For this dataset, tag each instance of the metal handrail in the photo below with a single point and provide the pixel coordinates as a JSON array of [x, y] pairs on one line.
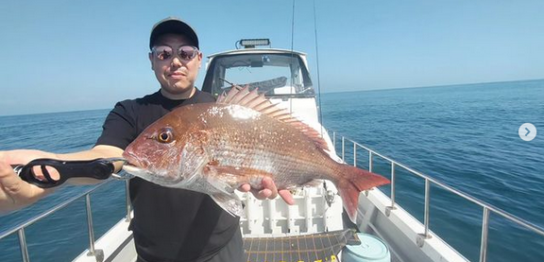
[[20, 229], [487, 208]]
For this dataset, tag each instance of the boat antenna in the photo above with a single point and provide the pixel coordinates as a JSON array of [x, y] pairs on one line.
[[292, 56], [318, 80], [293, 27]]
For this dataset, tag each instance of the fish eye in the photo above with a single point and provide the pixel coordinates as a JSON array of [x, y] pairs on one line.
[[165, 135]]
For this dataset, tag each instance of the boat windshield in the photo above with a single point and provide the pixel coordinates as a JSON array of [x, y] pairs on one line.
[[273, 74]]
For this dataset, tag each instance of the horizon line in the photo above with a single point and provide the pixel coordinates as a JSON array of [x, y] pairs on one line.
[[334, 92], [437, 86]]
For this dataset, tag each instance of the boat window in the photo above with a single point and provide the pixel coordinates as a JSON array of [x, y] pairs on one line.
[[272, 74]]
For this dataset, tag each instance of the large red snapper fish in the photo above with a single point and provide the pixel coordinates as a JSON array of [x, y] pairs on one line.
[[214, 148]]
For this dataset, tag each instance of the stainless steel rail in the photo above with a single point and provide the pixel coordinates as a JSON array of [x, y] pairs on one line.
[[20, 229], [488, 209]]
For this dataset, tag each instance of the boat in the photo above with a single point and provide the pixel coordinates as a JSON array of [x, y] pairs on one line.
[[314, 229]]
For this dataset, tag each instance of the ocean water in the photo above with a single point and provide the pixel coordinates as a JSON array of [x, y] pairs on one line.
[[465, 136]]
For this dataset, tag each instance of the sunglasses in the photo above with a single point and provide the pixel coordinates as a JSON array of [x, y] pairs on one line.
[[185, 52]]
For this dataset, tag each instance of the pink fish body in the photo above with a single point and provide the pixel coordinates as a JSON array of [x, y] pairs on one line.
[[214, 148]]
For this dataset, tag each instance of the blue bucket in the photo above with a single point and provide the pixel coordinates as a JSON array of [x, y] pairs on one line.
[[371, 249]]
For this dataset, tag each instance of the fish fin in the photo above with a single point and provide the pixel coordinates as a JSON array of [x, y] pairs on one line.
[[354, 180], [240, 95], [312, 134], [247, 99], [227, 96], [243, 97], [223, 182], [227, 177], [229, 202]]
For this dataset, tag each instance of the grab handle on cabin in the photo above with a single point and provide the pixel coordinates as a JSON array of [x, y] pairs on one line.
[[101, 168]]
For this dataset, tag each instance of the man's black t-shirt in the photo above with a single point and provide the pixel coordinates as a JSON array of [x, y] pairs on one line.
[[169, 224]]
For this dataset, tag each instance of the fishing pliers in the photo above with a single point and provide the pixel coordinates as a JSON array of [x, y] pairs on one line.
[[101, 169]]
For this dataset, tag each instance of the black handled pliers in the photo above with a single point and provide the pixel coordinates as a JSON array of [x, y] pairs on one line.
[[101, 168]]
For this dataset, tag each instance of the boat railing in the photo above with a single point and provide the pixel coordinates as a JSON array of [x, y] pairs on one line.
[[97, 253], [488, 209]]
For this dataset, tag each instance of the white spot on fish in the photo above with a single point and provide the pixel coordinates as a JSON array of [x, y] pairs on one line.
[[243, 113], [203, 119], [215, 111]]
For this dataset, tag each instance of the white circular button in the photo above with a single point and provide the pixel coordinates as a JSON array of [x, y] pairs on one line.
[[527, 132]]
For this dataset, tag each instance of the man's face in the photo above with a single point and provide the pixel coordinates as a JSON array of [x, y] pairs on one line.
[[176, 75]]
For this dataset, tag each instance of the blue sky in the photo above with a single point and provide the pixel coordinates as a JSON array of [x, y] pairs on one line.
[[79, 55]]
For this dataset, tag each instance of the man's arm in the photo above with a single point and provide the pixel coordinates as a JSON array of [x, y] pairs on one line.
[[16, 193]]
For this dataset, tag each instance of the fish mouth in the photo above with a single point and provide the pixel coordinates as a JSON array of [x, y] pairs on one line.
[[148, 175], [134, 161], [134, 170], [134, 165]]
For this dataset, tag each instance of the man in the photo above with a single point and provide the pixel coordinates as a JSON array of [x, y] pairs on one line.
[[169, 224]]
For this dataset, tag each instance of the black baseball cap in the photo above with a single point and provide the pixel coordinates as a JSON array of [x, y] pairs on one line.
[[172, 25]]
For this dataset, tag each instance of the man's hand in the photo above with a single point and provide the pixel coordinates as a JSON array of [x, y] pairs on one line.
[[14, 192], [268, 190]]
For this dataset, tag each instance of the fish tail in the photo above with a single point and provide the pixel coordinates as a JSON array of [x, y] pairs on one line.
[[354, 180]]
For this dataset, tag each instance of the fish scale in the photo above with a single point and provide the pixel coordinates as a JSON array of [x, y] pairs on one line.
[[284, 161]]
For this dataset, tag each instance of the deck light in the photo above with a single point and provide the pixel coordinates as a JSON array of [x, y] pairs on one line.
[[251, 43]]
